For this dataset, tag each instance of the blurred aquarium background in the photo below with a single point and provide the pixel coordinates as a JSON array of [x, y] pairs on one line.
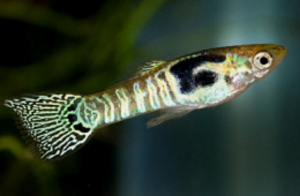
[[246, 147]]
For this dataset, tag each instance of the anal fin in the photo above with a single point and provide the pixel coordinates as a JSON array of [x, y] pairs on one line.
[[169, 114]]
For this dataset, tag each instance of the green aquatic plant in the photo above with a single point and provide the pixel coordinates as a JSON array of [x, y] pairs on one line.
[[86, 54]]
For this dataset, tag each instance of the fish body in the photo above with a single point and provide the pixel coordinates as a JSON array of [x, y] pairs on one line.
[[56, 125]]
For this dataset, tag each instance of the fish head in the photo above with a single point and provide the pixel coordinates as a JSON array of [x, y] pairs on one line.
[[265, 59], [250, 63]]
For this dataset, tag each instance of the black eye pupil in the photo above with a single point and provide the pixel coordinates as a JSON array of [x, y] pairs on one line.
[[264, 60]]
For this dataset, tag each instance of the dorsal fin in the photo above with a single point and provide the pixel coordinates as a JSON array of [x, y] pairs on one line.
[[150, 66], [143, 70]]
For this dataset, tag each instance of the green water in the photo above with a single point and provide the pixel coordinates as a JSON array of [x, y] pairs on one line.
[[249, 146]]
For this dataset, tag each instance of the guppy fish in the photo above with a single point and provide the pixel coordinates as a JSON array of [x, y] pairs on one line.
[[56, 125]]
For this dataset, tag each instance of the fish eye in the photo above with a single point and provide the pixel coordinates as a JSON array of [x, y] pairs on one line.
[[263, 60]]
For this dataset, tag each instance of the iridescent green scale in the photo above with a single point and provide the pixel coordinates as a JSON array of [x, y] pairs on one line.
[[56, 125]]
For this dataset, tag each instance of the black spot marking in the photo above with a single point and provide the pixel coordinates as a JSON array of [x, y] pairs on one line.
[[205, 78], [72, 118], [183, 70], [162, 76], [81, 128], [74, 105], [228, 79]]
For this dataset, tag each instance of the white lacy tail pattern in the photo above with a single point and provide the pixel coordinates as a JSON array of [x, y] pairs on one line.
[[51, 124]]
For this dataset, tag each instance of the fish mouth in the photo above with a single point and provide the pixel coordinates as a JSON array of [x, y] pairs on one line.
[[278, 53]]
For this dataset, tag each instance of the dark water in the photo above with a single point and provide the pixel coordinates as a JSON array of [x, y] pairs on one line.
[[249, 146]]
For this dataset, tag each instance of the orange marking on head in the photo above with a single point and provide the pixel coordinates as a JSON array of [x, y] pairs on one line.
[[229, 57]]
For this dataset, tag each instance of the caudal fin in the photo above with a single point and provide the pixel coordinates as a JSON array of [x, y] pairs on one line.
[[51, 123]]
